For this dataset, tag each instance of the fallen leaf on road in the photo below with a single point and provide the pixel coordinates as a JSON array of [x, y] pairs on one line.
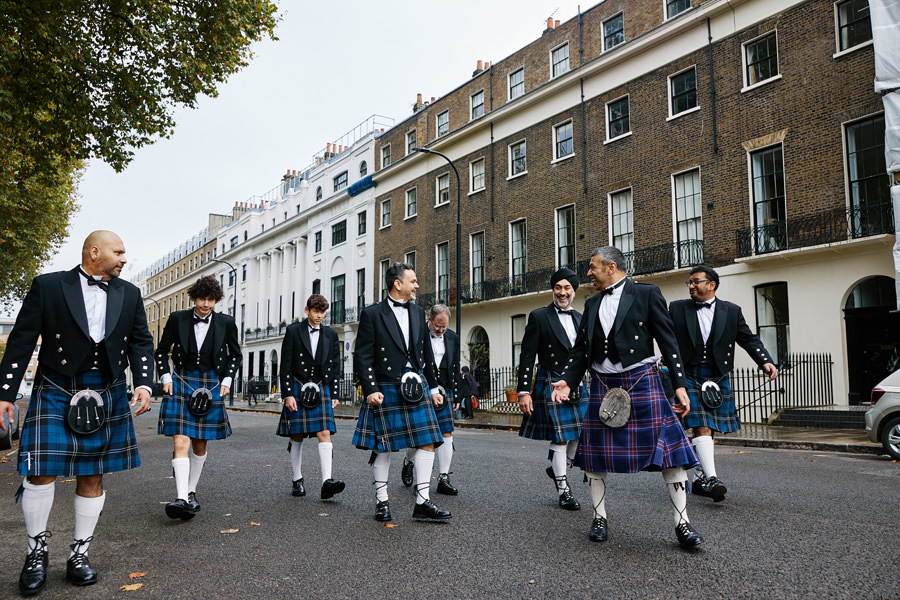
[[252, 524], [135, 575], [530, 581], [131, 587], [229, 531], [264, 466], [67, 480], [740, 452], [390, 525]]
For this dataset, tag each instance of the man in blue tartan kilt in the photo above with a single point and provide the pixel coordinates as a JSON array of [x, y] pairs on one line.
[[615, 340], [310, 354], [393, 363], [444, 348], [206, 356], [549, 335], [707, 330], [92, 325]]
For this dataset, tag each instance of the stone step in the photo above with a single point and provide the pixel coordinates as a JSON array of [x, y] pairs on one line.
[[823, 417]]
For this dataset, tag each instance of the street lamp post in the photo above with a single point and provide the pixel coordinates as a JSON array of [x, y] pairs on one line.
[[158, 318], [458, 238], [234, 313]]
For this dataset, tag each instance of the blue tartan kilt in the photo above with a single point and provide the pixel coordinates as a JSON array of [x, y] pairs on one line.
[[651, 440], [444, 413], [395, 424], [550, 420], [49, 447], [174, 417], [307, 421], [723, 419]]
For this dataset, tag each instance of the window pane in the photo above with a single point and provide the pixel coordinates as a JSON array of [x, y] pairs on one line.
[[622, 226], [619, 118], [762, 59], [560, 60], [516, 84], [564, 145], [684, 91], [854, 23], [613, 31]]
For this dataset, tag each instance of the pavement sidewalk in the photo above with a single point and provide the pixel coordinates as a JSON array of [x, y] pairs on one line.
[[753, 435]]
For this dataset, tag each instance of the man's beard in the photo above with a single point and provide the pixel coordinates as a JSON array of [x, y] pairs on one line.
[[563, 306]]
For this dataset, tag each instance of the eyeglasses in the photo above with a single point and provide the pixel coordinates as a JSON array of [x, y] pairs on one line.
[[696, 282]]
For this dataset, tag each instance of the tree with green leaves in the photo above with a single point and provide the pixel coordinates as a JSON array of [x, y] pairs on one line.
[[83, 79]]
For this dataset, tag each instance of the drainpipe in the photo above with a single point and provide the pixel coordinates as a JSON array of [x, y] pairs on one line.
[[583, 118], [712, 85]]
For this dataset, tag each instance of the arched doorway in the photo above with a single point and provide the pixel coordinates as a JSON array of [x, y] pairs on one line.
[[273, 369], [480, 358], [873, 335]]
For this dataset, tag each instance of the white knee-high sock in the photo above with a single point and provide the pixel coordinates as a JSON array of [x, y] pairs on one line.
[[197, 463], [597, 483], [675, 478], [182, 468], [326, 450], [297, 459], [424, 466], [704, 447], [571, 448], [380, 470], [558, 462], [37, 500], [87, 513], [444, 455]]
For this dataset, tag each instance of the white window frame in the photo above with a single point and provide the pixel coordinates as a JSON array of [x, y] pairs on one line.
[[509, 84], [509, 152], [669, 94], [472, 188], [472, 263], [406, 258], [381, 214], [472, 105], [410, 133], [627, 98], [675, 236], [556, 128], [437, 270], [383, 267], [667, 16], [603, 31], [510, 254], [437, 123], [406, 213], [385, 151], [837, 34], [612, 233], [748, 86], [557, 213], [568, 60], [437, 189]]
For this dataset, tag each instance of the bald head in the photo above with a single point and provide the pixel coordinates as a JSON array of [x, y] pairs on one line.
[[103, 253]]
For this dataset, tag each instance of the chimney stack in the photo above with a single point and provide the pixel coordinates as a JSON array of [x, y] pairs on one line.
[[419, 105], [555, 24]]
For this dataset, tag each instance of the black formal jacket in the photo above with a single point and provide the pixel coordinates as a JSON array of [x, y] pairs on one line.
[[642, 318], [448, 371], [728, 328], [380, 353], [545, 338], [226, 350], [297, 360], [54, 310]]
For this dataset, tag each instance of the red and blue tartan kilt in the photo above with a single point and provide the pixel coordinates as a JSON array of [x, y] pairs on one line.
[[444, 413], [396, 424], [175, 419], [49, 447], [307, 421], [723, 419], [651, 440], [550, 420]]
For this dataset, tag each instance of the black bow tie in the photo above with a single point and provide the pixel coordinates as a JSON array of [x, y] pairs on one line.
[[612, 288], [197, 319], [699, 305], [91, 281], [399, 304], [314, 330], [568, 313]]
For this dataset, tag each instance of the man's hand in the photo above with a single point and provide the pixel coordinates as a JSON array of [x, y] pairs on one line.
[[375, 398], [290, 403], [561, 391], [167, 388], [771, 369], [437, 399], [682, 404], [334, 402], [223, 391], [143, 396], [526, 404], [6, 408]]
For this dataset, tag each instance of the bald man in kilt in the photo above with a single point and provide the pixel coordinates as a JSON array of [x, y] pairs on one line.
[[615, 340], [549, 335], [310, 353], [394, 364], [206, 356], [92, 326]]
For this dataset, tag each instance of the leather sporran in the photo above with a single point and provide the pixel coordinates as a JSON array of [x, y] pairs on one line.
[[85, 413], [310, 395], [711, 395], [615, 408], [200, 402], [412, 388]]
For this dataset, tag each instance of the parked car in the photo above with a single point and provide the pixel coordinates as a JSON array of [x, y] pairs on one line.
[[883, 419]]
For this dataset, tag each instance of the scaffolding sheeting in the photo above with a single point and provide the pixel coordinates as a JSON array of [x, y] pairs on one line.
[[885, 19]]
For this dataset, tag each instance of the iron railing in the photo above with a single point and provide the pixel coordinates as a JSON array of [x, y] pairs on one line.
[[829, 226]]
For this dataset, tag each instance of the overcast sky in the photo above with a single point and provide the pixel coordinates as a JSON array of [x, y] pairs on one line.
[[335, 64]]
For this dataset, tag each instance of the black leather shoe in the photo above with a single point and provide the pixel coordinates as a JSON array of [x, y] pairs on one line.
[[33, 577], [687, 537], [406, 473], [429, 512], [444, 486], [700, 486], [78, 570], [598, 531], [568, 502], [298, 489], [382, 511], [192, 501], [331, 487], [180, 509], [717, 489]]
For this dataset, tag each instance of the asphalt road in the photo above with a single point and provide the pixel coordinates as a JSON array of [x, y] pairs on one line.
[[795, 524]]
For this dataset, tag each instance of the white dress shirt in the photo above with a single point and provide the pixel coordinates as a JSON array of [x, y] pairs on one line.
[[705, 318]]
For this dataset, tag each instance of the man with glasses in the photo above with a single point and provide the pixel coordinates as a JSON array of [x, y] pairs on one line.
[[707, 329]]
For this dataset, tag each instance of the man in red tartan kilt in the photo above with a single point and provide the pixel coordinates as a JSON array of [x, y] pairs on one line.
[[615, 340]]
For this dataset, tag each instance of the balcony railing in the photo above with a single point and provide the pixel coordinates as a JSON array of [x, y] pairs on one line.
[[829, 226]]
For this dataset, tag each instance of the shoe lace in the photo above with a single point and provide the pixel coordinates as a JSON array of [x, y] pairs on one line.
[[79, 558], [36, 555], [683, 529]]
